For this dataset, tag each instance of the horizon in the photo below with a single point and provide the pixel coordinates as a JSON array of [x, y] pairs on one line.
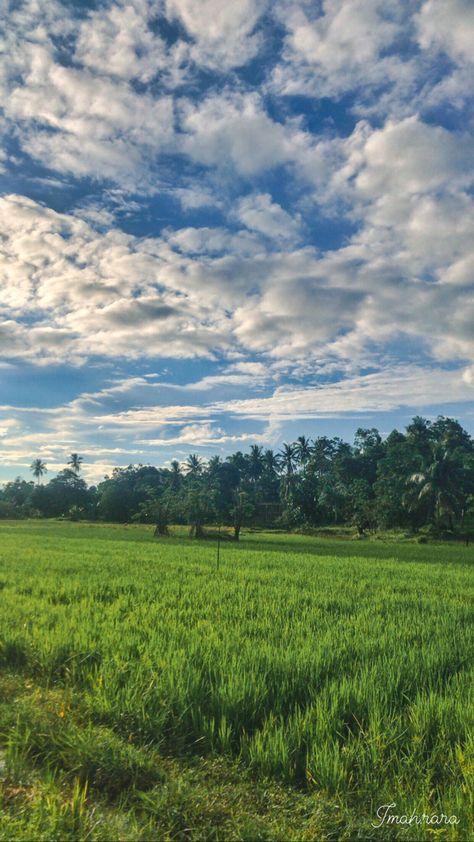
[[78, 467], [215, 236]]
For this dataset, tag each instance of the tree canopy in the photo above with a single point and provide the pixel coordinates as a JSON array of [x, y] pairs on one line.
[[423, 476]]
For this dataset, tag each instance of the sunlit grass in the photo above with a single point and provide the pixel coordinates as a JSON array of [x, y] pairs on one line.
[[343, 670]]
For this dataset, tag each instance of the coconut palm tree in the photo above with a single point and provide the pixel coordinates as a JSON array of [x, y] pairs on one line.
[[271, 461], [303, 450], [440, 484], [322, 454], [214, 465], [194, 465], [288, 457], [38, 468], [75, 462], [255, 462], [176, 475]]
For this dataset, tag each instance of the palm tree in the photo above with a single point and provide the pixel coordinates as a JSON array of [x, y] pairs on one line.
[[214, 465], [194, 465], [255, 462], [288, 457], [271, 461], [303, 450], [441, 483], [322, 453], [175, 474], [38, 468], [75, 462]]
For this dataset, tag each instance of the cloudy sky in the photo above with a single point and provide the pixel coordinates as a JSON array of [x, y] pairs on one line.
[[227, 223]]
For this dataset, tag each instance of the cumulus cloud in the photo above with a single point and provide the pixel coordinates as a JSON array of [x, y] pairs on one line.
[[75, 122], [119, 40], [235, 129], [85, 115], [94, 294], [329, 53], [207, 212], [409, 157], [259, 213], [71, 292], [384, 54], [223, 33], [448, 25]]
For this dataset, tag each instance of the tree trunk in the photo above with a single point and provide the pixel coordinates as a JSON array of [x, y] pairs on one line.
[[160, 530], [196, 530]]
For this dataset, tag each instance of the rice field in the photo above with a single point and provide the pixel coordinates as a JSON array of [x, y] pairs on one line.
[[291, 692]]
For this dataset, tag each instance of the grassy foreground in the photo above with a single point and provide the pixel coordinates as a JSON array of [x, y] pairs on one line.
[[288, 695]]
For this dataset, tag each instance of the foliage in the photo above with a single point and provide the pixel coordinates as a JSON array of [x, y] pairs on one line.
[[423, 477]]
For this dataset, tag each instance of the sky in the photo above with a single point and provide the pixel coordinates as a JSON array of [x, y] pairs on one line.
[[231, 223]]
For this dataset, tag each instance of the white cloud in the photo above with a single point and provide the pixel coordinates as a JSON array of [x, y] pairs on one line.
[[448, 25], [259, 213], [108, 294], [151, 97], [339, 49], [70, 292], [382, 391], [202, 435], [196, 197], [370, 49], [233, 129], [409, 157], [108, 436], [117, 40], [79, 123], [223, 33], [213, 241]]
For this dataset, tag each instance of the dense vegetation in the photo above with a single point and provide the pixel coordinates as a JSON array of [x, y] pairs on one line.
[[338, 675], [422, 477]]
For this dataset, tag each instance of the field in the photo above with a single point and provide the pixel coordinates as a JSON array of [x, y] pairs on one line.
[[146, 694]]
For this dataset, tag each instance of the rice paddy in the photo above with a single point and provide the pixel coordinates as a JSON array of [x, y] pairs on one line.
[[289, 693]]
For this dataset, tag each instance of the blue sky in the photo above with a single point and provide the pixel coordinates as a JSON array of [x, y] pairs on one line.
[[231, 223]]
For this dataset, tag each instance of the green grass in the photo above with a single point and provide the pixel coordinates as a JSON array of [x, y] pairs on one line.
[[146, 695]]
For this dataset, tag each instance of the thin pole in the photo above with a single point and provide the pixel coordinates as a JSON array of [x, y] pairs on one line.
[[218, 546]]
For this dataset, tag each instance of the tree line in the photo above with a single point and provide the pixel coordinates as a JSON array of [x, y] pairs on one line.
[[421, 477]]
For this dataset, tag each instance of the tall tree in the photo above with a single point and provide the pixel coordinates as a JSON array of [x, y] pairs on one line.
[[303, 450], [441, 483], [75, 462], [288, 457], [288, 460], [38, 469], [194, 465], [255, 462], [271, 461], [176, 475]]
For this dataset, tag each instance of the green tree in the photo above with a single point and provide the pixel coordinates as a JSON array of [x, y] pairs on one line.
[[241, 511], [303, 450], [200, 508], [75, 462], [194, 465], [287, 460], [440, 484], [255, 463], [271, 461], [38, 469], [361, 505]]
